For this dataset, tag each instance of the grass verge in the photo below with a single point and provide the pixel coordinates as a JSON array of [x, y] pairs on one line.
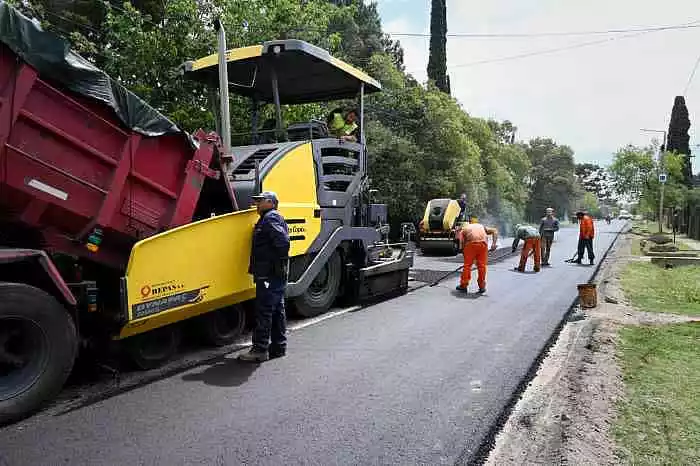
[[635, 246], [654, 289], [659, 421]]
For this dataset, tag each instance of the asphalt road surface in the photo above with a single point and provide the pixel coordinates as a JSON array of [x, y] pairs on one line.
[[419, 379]]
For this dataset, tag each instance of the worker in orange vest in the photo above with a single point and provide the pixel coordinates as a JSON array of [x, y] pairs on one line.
[[474, 244], [585, 237]]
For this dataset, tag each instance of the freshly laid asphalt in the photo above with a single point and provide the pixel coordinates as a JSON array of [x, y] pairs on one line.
[[418, 379]]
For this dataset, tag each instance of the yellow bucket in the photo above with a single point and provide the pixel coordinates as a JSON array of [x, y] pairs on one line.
[[588, 295]]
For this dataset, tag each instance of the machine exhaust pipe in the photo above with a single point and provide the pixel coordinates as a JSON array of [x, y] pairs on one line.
[[225, 112]]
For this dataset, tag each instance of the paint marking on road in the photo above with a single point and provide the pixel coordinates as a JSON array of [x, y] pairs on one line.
[[247, 343], [319, 319], [476, 385]]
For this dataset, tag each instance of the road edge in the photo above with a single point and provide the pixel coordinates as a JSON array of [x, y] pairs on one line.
[[488, 442]]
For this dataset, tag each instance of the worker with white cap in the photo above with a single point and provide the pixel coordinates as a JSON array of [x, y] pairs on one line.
[[548, 226]]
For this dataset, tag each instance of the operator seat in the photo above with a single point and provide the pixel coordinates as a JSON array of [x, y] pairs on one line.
[[314, 129]]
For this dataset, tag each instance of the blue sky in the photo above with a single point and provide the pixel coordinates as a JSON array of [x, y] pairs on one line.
[[593, 98]]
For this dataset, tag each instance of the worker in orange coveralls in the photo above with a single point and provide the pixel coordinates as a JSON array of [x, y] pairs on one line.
[[533, 245], [585, 237], [474, 246]]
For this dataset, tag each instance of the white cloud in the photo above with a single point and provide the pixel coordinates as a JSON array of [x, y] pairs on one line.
[[595, 98]]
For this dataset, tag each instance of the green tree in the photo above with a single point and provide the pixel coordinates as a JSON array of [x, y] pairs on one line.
[[678, 140], [595, 179], [551, 179], [358, 25], [504, 132], [591, 204], [631, 170], [422, 144], [634, 173], [395, 164], [437, 59]]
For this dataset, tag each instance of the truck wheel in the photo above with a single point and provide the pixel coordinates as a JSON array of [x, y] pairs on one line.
[[38, 346], [323, 290], [152, 349], [223, 327]]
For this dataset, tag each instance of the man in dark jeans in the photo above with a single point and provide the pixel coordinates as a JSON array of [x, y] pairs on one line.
[[462, 207], [548, 226], [269, 263], [585, 237]]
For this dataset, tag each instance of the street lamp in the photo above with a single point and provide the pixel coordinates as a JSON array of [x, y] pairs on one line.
[[662, 175]]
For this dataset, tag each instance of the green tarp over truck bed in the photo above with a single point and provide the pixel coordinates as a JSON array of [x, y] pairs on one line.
[[52, 57]]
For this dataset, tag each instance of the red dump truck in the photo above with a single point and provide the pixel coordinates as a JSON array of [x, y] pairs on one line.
[[86, 170], [116, 226]]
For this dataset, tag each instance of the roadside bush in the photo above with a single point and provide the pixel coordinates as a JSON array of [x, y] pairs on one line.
[[660, 239], [664, 248]]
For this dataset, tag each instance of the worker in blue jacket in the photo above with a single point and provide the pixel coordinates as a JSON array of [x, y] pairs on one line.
[[269, 265]]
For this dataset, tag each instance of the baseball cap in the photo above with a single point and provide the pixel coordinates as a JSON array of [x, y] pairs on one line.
[[266, 195]]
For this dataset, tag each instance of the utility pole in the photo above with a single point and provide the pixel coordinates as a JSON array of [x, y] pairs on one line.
[[662, 181], [661, 174]]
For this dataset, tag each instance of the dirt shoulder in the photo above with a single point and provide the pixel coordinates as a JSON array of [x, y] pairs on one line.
[[566, 413]]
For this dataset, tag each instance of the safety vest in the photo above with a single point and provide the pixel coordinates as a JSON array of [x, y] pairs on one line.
[[474, 233], [340, 128], [586, 228]]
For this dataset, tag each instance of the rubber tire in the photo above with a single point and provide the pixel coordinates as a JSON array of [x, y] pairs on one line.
[[24, 301], [133, 346], [211, 328], [309, 305]]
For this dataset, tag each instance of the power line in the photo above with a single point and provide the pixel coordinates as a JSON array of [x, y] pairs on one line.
[[468, 35], [548, 51], [692, 76]]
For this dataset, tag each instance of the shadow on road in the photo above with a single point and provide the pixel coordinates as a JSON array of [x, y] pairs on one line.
[[463, 295], [527, 272], [224, 373]]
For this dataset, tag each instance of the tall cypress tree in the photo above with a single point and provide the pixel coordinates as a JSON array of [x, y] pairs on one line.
[[678, 138], [437, 61]]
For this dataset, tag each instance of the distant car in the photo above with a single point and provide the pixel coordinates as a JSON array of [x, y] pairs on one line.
[[625, 217]]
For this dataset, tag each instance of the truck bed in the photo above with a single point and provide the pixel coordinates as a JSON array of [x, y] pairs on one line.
[[68, 165]]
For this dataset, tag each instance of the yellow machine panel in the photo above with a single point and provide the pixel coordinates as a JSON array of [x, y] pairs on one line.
[[203, 266], [451, 213], [294, 180], [189, 271]]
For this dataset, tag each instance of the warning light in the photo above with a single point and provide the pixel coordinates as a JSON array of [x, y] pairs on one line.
[[94, 240]]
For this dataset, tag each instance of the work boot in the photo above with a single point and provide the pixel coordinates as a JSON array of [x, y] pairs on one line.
[[254, 355], [461, 288], [537, 270], [546, 264], [481, 290], [591, 261], [277, 352], [577, 261], [518, 269]]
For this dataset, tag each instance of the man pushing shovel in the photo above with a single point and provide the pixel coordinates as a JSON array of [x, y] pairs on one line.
[[474, 244]]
